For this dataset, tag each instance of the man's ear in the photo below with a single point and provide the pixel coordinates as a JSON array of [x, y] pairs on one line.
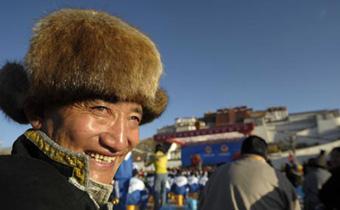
[[34, 119], [36, 124]]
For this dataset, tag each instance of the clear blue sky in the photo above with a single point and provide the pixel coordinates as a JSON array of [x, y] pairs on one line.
[[216, 53]]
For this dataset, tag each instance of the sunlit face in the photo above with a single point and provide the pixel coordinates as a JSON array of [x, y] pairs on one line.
[[104, 131]]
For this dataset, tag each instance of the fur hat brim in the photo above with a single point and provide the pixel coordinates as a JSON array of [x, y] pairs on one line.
[[156, 108], [13, 91], [14, 86]]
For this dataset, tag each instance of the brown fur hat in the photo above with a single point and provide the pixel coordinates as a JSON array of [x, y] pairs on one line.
[[81, 54]]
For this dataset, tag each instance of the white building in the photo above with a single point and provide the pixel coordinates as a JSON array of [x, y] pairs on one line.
[[315, 127], [276, 125]]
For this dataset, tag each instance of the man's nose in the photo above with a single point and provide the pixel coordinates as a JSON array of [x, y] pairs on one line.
[[116, 138]]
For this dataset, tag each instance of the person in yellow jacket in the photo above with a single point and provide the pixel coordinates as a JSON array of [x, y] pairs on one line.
[[160, 162]]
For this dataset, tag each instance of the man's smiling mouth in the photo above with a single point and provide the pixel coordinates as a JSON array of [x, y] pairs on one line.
[[101, 158]]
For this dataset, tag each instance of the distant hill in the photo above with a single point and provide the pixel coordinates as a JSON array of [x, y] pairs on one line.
[[5, 151], [145, 146]]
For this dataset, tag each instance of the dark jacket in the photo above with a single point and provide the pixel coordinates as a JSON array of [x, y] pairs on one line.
[[30, 180], [330, 191]]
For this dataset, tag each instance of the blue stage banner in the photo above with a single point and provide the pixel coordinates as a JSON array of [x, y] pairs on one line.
[[211, 153]]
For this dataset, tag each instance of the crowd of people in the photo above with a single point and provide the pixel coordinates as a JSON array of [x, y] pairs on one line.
[[318, 180], [159, 185], [249, 182], [142, 190]]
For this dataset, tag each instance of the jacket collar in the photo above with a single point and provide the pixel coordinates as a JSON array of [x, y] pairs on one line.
[[77, 161], [71, 164]]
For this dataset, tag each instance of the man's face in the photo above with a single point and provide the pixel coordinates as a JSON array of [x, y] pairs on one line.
[[104, 131]]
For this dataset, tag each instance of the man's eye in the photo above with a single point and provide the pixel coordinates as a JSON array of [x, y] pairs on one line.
[[99, 108], [136, 118]]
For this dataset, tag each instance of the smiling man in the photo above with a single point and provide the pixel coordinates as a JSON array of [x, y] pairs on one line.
[[88, 81]]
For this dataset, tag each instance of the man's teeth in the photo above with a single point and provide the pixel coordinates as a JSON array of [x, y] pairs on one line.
[[102, 158]]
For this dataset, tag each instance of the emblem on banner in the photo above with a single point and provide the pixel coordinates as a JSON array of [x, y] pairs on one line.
[[224, 148], [208, 150]]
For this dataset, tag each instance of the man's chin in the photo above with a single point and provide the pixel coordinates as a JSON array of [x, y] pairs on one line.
[[102, 172]]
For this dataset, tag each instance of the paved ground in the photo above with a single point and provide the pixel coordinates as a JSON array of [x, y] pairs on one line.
[[173, 205]]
